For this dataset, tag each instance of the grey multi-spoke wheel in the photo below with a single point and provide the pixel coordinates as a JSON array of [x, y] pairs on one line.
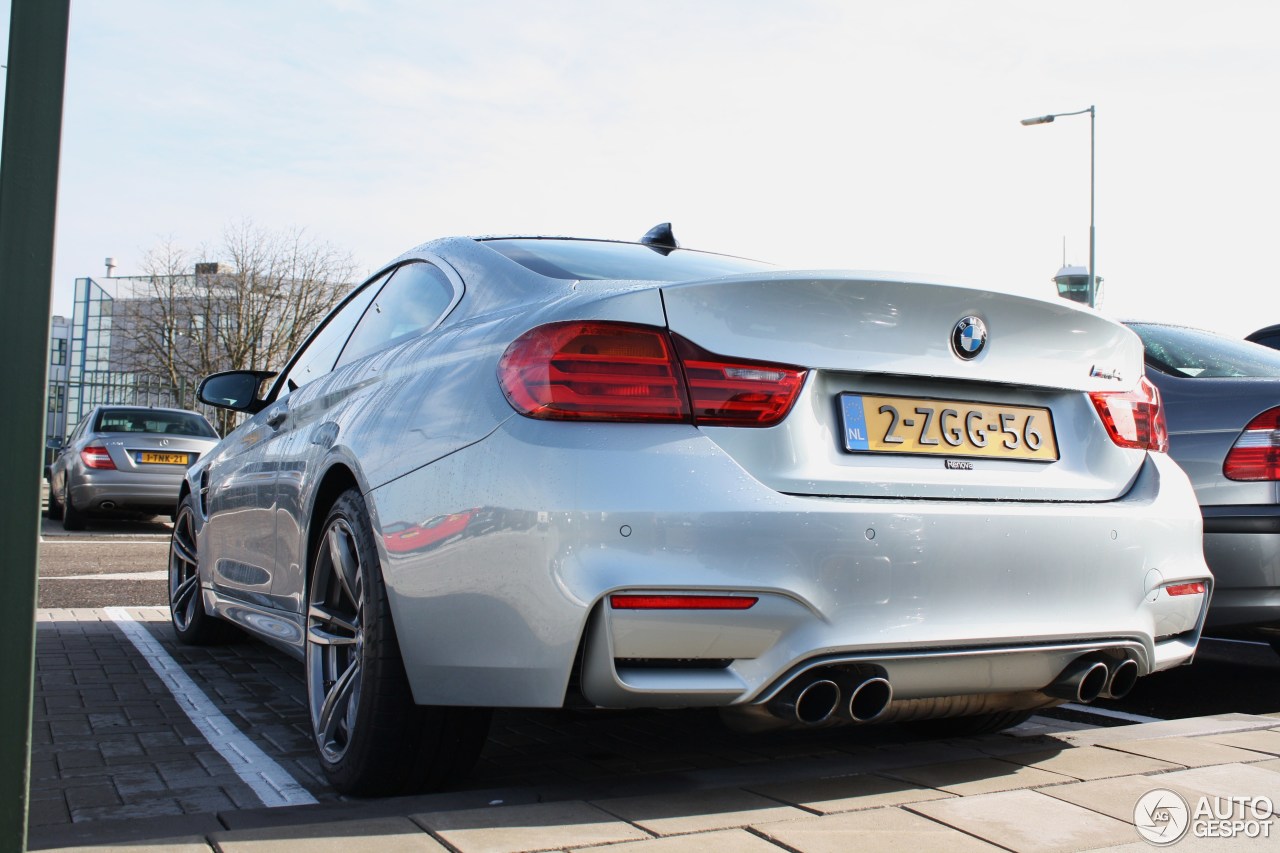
[[334, 640], [371, 737], [191, 623]]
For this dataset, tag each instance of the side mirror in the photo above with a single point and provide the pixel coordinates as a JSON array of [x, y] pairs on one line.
[[236, 390]]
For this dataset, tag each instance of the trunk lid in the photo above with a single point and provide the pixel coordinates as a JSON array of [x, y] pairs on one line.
[[154, 453], [886, 341]]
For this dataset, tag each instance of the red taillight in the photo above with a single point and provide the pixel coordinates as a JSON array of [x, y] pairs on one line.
[[594, 372], [682, 602], [96, 456], [1195, 588], [1134, 418], [1256, 453], [601, 371], [735, 392]]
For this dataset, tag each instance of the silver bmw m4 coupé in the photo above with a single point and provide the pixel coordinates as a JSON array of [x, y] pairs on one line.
[[534, 472]]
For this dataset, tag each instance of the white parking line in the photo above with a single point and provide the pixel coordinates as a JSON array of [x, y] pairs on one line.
[[271, 782], [122, 539], [1104, 712], [157, 575]]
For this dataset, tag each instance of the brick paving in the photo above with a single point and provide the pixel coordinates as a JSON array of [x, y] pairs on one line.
[[115, 760], [1038, 816], [110, 741]]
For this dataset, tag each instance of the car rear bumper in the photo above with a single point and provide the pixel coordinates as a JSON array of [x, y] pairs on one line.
[[104, 491], [1242, 547], [1241, 519], [577, 513]]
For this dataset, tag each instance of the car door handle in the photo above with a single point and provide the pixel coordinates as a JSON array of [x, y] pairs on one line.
[[274, 419]]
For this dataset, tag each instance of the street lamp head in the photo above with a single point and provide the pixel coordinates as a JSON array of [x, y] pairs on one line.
[[1093, 279]]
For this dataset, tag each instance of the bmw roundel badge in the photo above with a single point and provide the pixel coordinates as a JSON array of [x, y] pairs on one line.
[[968, 337]]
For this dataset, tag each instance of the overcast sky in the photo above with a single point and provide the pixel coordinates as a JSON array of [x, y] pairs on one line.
[[815, 133]]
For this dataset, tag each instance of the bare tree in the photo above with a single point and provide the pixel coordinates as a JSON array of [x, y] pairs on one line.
[[183, 320]]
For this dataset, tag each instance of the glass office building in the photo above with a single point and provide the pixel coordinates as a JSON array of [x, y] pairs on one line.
[[93, 377], [90, 350]]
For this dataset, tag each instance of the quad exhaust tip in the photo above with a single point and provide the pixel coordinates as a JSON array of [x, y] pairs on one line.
[[850, 696], [1082, 681], [1085, 680], [861, 694]]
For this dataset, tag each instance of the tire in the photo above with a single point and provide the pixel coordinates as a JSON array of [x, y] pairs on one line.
[[192, 625], [976, 724], [55, 503], [371, 739], [72, 518]]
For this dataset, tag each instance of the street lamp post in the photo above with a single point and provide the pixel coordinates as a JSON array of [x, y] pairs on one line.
[[1093, 290]]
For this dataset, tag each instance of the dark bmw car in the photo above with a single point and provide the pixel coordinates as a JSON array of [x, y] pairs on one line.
[[1222, 401]]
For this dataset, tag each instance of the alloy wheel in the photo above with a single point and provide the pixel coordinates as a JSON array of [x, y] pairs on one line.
[[184, 570], [334, 641]]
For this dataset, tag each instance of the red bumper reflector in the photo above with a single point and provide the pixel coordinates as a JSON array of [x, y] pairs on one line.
[[682, 602], [1196, 588]]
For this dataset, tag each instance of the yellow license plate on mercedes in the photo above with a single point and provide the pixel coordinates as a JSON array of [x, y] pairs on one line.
[[163, 458], [915, 425]]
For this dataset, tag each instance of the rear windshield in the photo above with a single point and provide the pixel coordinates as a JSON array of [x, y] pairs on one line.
[[169, 423], [596, 260], [1196, 354]]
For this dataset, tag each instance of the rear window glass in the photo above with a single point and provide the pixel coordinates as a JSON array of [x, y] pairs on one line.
[[1196, 354], [597, 260], [168, 423]]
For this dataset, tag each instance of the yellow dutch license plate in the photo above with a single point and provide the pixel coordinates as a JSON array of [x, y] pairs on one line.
[[163, 458], [915, 425]]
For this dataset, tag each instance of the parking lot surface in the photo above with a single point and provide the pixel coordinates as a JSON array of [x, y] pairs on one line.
[[140, 740]]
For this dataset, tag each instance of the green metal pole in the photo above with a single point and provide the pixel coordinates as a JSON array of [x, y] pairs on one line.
[[1093, 270], [28, 196]]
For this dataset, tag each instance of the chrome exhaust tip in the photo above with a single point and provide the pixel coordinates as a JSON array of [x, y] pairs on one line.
[[817, 702], [1082, 681], [807, 703], [1123, 678], [870, 699]]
